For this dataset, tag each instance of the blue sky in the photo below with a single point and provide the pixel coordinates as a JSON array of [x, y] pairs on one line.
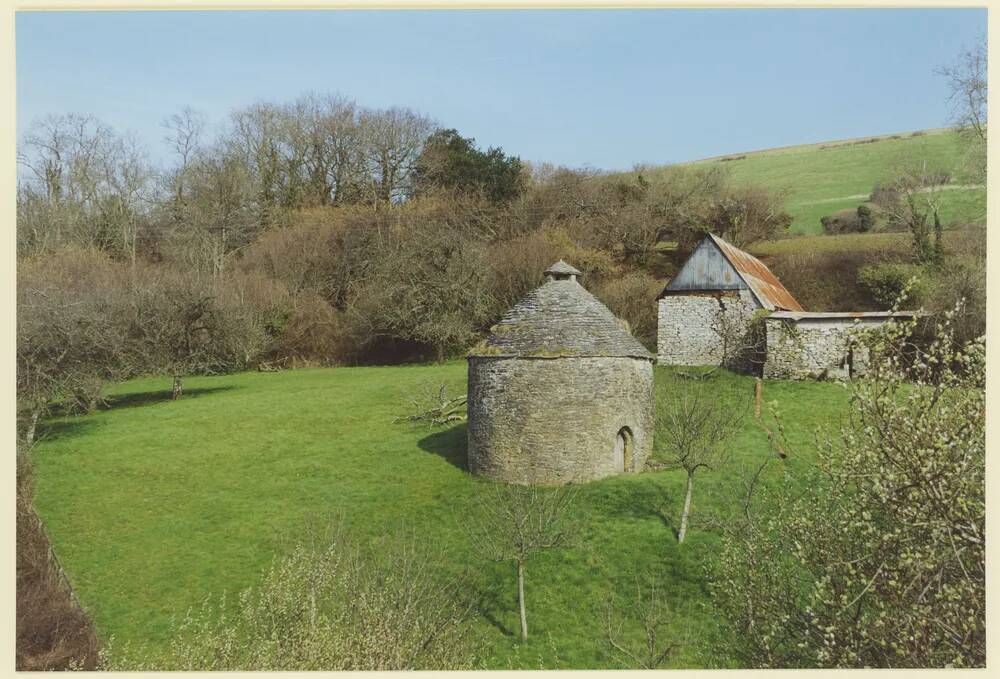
[[599, 88]]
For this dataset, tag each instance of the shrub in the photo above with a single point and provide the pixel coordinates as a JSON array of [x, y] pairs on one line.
[[886, 282], [252, 310], [53, 632], [330, 605], [858, 220], [877, 557], [961, 283], [828, 280], [746, 214], [313, 334], [866, 219], [632, 297], [71, 333], [517, 264], [427, 294], [841, 221]]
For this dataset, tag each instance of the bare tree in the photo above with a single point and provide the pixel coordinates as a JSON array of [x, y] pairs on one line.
[[255, 140], [219, 217], [692, 429], [184, 136], [968, 87], [748, 213], [655, 647], [325, 131], [84, 185], [128, 176], [742, 335], [393, 139], [515, 522], [70, 334], [912, 201]]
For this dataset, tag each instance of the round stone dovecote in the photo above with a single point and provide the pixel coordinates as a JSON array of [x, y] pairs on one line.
[[559, 391]]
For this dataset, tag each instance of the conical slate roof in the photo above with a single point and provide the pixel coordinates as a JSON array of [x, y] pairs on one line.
[[560, 318], [562, 267]]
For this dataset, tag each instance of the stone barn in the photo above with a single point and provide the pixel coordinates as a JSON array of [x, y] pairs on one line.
[[560, 391], [810, 344], [713, 297], [708, 309]]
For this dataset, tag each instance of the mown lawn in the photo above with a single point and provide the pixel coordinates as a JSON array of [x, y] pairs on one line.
[[821, 180], [154, 504]]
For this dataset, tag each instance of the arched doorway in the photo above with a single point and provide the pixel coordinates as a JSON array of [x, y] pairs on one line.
[[622, 454]]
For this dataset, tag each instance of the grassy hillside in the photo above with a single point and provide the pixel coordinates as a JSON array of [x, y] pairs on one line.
[[824, 178], [155, 504]]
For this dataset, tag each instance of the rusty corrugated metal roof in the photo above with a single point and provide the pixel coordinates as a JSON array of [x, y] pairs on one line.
[[863, 315], [765, 285]]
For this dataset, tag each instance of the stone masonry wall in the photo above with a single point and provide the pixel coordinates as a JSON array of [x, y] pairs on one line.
[[685, 333], [555, 420], [809, 348]]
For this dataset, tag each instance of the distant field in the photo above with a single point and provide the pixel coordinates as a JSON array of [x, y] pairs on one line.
[[823, 178], [155, 504], [896, 242]]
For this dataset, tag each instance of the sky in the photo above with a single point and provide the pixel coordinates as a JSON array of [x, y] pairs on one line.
[[604, 89]]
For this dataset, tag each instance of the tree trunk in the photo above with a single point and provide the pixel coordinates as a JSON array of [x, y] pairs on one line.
[[758, 388], [29, 435], [938, 247], [687, 509], [178, 388], [520, 600]]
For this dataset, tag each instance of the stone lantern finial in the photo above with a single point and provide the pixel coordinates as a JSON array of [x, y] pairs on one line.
[[561, 271]]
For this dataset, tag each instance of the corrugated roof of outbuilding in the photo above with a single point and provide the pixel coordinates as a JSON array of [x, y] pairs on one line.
[[765, 285], [821, 315], [560, 319]]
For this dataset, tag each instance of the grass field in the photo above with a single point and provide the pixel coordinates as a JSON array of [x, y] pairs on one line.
[[823, 178], [155, 504]]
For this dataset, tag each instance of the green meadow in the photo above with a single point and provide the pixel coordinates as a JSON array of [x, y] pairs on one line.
[[823, 178], [154, 505]]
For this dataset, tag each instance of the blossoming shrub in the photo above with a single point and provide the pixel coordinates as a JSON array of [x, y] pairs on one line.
[[880, 560], [331, 606]]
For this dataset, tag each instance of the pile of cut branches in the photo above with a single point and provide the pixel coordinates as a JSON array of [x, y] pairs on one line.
[[436, 409]]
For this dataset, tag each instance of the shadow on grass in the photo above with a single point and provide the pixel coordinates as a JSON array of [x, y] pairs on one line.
[[451, 444], [66, 428], [119, 401], [65, 421], [637, 498], [490, 600], [489, 617], [149, 397]]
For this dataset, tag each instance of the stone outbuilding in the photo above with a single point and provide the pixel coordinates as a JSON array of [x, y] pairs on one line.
[[560, 391], [724, 295], [719, 287], [811, 344]]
